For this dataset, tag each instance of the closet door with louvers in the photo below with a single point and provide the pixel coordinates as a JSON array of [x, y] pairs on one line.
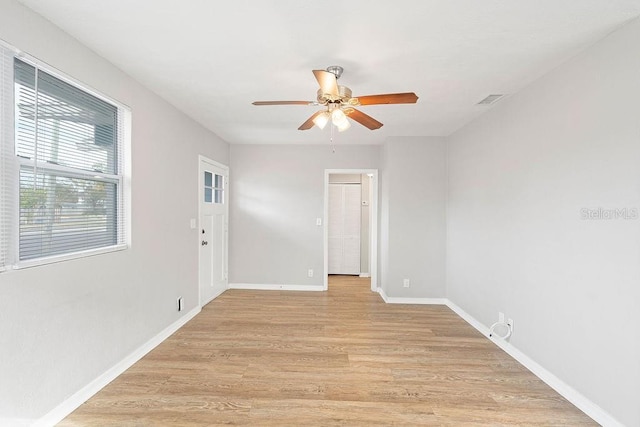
[[344, 228]]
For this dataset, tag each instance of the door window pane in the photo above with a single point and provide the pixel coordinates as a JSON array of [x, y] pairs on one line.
[[219, 181], [208, 187], [219, 189]]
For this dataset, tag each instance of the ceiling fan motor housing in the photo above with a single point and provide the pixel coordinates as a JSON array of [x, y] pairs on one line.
[[343, 97]]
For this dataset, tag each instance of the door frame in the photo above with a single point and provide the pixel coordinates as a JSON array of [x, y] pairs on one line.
[[202, 158], [373, 223]]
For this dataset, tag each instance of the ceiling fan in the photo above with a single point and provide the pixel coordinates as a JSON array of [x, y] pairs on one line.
[[340, 104]]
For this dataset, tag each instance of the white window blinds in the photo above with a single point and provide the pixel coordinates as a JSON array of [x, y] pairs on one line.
[[64, 192]]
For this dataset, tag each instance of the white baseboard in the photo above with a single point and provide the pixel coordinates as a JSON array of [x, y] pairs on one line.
[[72, 403], [594, 411], [276, 287], [403, 300]]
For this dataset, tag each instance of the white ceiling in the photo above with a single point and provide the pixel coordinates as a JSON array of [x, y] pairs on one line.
[[212, 58]]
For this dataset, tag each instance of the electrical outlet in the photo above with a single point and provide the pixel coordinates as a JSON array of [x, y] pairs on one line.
[[500, 317], [179, 303], [310, 273], [510, 324], [406, 283]]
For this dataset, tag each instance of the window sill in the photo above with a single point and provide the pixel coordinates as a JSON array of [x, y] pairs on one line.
[[67, 257]]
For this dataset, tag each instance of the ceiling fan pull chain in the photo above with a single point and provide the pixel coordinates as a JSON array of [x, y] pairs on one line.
[[333, 146]]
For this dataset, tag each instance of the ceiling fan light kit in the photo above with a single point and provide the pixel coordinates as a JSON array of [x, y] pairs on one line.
[[337, 116], [322, 119], [340, 103]]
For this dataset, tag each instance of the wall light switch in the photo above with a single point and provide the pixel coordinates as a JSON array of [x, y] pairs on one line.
[[318, 221], [192, 223]]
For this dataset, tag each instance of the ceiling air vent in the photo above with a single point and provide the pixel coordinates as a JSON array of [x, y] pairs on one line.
[[490, 99]]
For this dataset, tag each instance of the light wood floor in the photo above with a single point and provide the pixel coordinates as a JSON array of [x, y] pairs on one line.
[[341, 357]]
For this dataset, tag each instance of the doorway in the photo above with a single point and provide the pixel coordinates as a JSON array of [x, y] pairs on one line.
[[344, 225], [351, 238], [213, 214]]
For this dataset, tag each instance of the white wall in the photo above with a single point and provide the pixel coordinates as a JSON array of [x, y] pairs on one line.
[[63, 325], [413, 209], [276, 194], [518, 179]]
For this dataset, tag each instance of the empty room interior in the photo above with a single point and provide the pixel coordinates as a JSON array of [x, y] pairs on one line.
[[319, 213]]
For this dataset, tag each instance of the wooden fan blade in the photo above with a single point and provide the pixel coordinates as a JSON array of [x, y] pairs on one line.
[[309, 123], [364, 119], [389, 98], [283, 103], [327, 81]]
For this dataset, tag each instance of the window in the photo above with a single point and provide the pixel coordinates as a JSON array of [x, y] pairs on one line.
[[213, 188], [63, 184]]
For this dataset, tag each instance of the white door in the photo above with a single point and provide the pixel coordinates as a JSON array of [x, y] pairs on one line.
[[344, 228], [213, 230]]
